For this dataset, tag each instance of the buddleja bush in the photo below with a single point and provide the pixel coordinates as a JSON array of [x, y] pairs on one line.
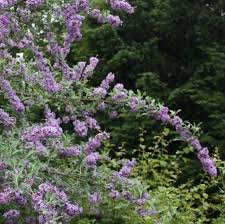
[[52, 167]]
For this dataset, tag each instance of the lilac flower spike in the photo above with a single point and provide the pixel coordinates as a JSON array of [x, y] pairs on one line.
[[121, 5], [34, 3], [11, 95], [12, 214], [6, 120]]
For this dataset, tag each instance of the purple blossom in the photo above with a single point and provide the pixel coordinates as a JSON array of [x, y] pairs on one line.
[[92, 122], [4, 25], [45, 187], [149, 212], [127, 195], [3, 166], [96, 13], [114, 21], [91, 160], [106, 82], [88, 71], [12, 214], [102, 106], [48, 81], [134, 103], [119, 93], [95, 198], [100, 92], [73, 74], [73, 23], [6, 196], [40, 133], [13, 98], [142, 199], [196, 144], [126, 169], [34, 3], [73, 209], [82, 5], [37, 201], [80, 128], [163, 115], [121, 5], [20, 199], [114, 194], [119, 87], [70, 151], [95, 143], [6, 120]]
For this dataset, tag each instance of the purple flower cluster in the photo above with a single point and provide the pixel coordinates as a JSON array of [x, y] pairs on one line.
[[80, 128], [99, 92], [91, 160], [73, 23], [119, 93], [11, 95], [96, 13], [113, 193], [203, 154], [7, 3], [47, 210], [88, 71], [95, 198], [206, 161], [121, 5], [19, 198], [102, 90], [113, 114], [4, 25], [134, 103], [6, 120], [121, 178], [106, 82], [8, 195], [125, 170], [40, 133], [34, 3], [81, 5], [92, 123], [12, 214], [95, 143], [114, 21], [142, 200], [48, 82], [73, 74], [53, 47], [73, 209], [3, 166], [71, 151], [149, 212]]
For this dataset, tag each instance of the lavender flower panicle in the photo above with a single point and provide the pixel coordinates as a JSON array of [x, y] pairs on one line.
[[6, 120], [11, 95]]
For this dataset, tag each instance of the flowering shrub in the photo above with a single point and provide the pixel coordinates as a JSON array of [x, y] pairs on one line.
[[52, 168]]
